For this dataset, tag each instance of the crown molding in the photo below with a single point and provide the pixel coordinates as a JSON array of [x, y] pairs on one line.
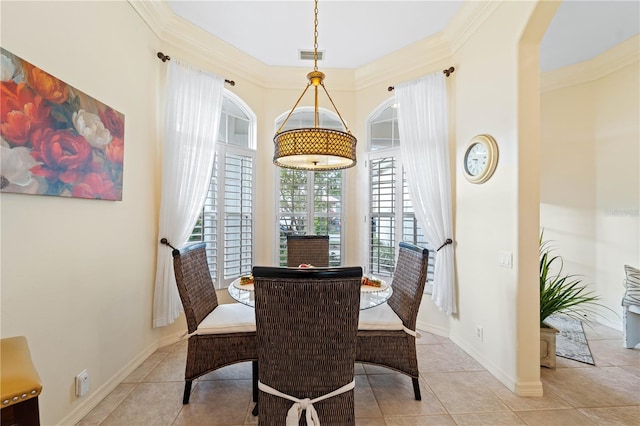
[[156, 14], [422, 57], [467, 20], [182, 39], [608, 62]]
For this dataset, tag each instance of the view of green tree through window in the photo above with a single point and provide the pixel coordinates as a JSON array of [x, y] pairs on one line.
[[310, 203]]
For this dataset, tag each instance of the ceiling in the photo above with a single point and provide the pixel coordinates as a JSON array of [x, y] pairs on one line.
[[352, 33]]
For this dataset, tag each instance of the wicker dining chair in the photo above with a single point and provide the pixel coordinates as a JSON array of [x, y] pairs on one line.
[[386, 333], [306, 325], [220, 335], [309, 249]]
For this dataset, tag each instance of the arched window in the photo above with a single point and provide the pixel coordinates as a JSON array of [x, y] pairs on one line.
[[227, 220], [310, 203], [390, 211]]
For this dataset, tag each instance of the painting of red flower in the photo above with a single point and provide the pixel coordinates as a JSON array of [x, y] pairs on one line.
[[55, 139]]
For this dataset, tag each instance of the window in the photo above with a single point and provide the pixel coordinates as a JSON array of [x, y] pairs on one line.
[[310, 203], [391, 214], [226, 221]]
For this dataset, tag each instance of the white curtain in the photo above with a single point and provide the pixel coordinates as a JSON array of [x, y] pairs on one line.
[[193, 105], [424, 143]]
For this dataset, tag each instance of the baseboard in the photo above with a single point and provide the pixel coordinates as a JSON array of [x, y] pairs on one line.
[[93, 399], [529, 388], [518, 388], [430, 328], [171, 339], [611, 324]]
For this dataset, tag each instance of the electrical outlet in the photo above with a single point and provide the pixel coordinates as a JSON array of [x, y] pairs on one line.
[[479, 332], [82, 383]]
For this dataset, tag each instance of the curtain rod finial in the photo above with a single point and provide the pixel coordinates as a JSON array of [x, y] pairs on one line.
[[163, 57]]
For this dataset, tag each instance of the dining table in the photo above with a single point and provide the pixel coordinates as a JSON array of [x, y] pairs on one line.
[[370, 296]]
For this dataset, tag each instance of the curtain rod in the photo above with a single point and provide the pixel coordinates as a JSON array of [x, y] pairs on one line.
[[165, 58], [446, 72]]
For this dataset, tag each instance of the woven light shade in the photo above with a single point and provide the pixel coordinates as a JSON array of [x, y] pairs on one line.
[[314, 149]]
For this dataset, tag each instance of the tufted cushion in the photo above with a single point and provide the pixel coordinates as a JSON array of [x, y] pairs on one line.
[[632, 284], [380, 317], [228, 318]]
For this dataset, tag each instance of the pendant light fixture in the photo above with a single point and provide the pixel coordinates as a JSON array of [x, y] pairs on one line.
[[314, 148]]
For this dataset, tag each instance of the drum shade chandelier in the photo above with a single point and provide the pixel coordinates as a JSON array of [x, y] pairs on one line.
[[314, 148]]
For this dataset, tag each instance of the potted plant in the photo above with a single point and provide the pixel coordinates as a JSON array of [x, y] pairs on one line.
[[560, 293]]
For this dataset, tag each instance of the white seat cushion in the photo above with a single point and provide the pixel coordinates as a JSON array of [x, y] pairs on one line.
[[380, 317], [228, 318], [634, 308]]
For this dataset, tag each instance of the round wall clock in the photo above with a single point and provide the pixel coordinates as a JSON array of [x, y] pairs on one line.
[[480, 159]]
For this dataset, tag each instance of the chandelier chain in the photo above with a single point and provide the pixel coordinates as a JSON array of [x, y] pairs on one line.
[[315, 36]]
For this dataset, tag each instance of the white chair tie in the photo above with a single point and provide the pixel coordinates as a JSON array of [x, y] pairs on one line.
[[295, 412], [410, 332]]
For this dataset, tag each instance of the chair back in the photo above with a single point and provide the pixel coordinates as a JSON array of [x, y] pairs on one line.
[[311, 249], [408, 282], [306, 327], [197, 292]]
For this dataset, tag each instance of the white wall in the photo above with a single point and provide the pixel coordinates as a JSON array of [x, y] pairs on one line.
[[590, 182], [77, 275], [496, 93]]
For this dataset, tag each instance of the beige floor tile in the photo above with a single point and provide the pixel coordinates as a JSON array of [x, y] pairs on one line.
[[377, 369], [365, 401], [426, 338], [145, 368], [580, 390], [437, 420], [595, 331], [170, 369], [394, 393], [549, 400], [466, 361], [444, 357], [605, 351], [217, 402], [574, 393], [463, 392], [148, 404], [617, 382], [631, 369], [179, 346], [568, 417], [570, 363], [485, 419], [370, 422], [107, 405], [238, 371], [613, 416], [249, 418]]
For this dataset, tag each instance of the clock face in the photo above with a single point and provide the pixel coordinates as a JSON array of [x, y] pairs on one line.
[[480, 159], [476, 159]]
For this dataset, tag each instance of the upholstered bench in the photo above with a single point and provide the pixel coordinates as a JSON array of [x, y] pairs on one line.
[[631, 307], [19, 385]]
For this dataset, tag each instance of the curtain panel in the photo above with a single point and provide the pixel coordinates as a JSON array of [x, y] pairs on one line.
[[423, 129], [193, 106]]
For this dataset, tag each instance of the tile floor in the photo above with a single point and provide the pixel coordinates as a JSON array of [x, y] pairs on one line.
[[456, 390]]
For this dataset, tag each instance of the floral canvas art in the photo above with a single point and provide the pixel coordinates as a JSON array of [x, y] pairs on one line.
[[55, 139]]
